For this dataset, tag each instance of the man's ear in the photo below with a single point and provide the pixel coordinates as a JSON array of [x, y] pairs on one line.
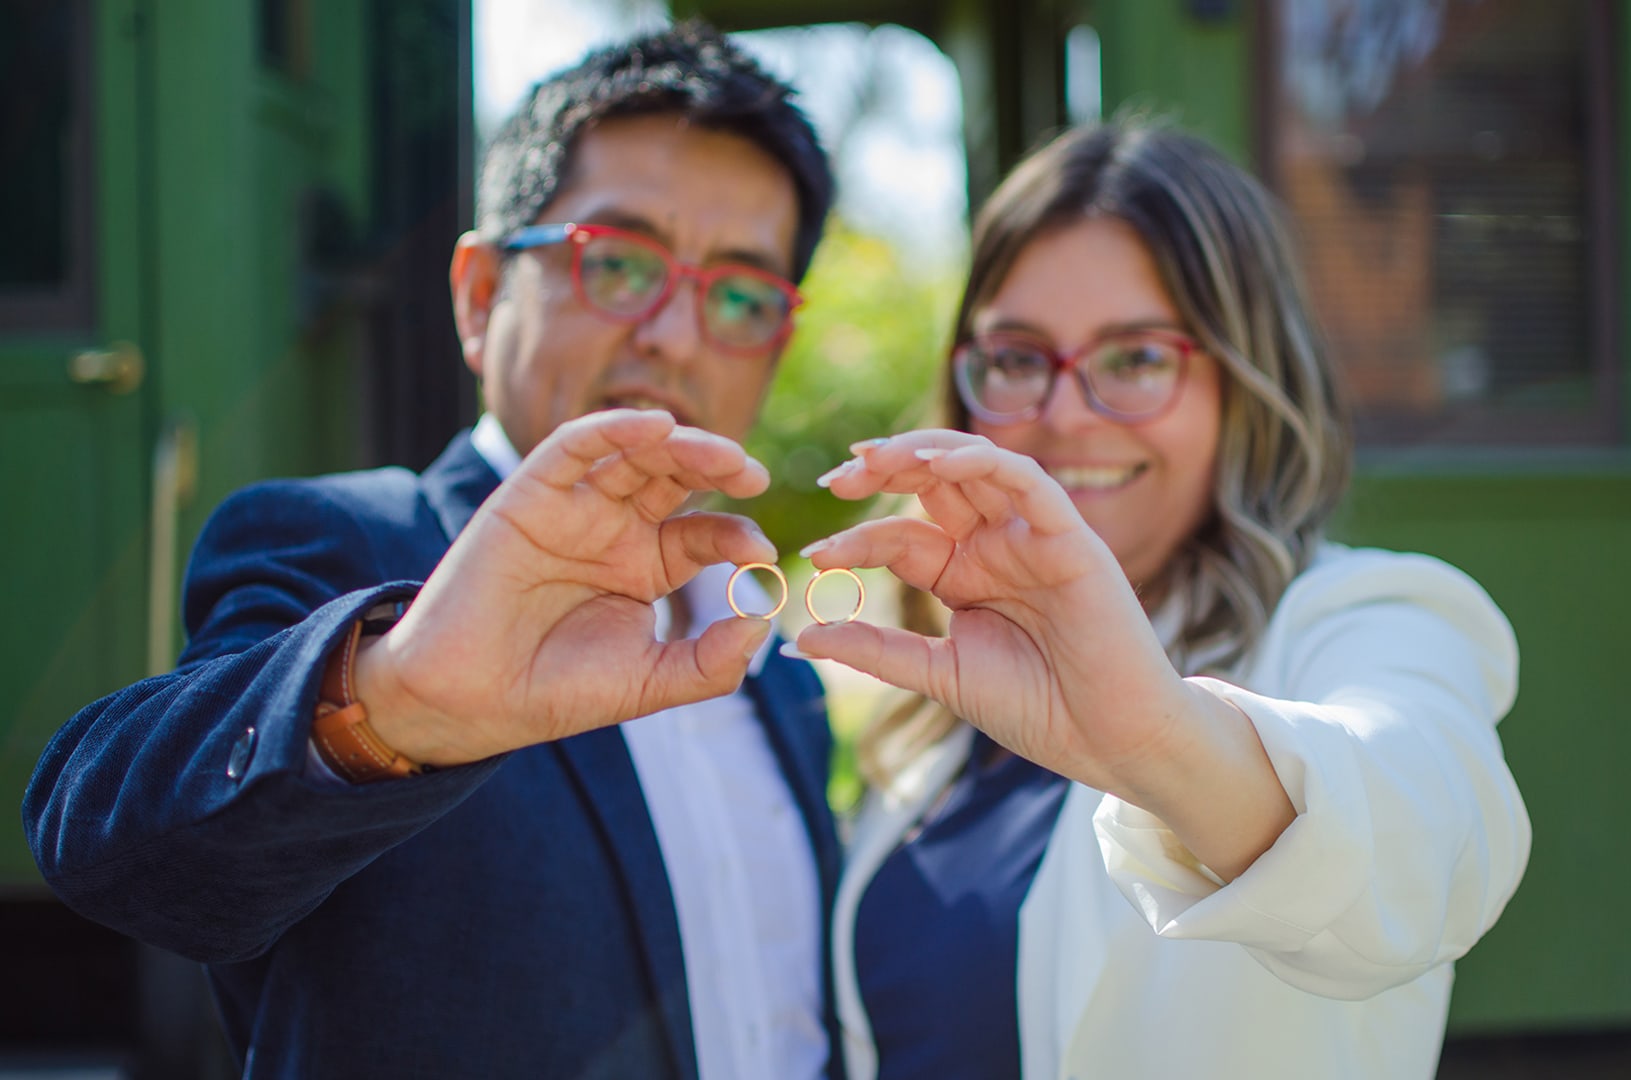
[[473, 277]]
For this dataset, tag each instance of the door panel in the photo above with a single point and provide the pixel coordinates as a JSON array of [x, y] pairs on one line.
[[74, 482]]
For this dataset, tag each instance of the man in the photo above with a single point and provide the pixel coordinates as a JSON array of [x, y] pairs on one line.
[[397, 821]]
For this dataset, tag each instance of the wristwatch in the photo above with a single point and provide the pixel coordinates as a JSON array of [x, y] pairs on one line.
[[345, 739]]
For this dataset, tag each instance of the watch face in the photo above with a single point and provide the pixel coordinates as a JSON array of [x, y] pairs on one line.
[[382, 616]]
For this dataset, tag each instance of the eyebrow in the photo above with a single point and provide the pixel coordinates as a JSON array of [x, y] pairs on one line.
[[639, 223], [1133, 326]]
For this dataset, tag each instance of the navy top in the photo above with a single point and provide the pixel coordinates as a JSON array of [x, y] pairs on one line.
[[937, 930]]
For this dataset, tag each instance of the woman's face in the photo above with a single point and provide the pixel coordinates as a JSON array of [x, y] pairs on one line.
[[1143, 486]]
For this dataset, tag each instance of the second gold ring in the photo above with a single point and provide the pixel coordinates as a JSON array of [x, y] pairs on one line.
[[860, 595]]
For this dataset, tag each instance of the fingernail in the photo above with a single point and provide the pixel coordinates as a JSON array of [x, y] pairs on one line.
[[790, 649], [826, 478], [867, 444], [814, 546], [930, 453], [750, 650]]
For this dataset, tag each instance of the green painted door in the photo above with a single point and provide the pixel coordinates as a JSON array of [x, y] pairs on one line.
[[75, 380]]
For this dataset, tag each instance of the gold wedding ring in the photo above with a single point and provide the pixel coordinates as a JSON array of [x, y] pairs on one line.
[[730, 591], [860, 595]]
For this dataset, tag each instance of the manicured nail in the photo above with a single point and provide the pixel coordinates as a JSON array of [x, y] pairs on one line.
[[813, 546], [826, 478], [867, 444], [791, 649], [931, 453]]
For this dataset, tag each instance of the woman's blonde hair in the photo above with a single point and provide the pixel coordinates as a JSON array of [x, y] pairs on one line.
[[1226, 259]]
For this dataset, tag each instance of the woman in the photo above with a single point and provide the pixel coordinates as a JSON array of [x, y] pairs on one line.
[[1189, 791]]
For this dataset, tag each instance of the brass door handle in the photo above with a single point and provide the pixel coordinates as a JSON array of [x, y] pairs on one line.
[[119, 369]]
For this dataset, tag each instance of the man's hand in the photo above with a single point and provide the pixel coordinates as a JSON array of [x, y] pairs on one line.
[[538, 623]]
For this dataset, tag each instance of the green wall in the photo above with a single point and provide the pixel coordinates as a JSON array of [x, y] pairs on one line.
[[1549, 545]]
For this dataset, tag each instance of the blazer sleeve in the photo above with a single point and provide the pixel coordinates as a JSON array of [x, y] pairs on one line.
[[178, 810], [1376, 694]]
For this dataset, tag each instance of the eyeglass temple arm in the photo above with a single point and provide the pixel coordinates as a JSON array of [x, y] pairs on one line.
[[537, 236]]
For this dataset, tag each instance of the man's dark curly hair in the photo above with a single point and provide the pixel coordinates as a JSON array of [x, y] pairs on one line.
[[689, 69]]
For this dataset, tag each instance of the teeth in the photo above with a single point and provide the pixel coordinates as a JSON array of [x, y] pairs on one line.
[[637, 403], [1094, 478]]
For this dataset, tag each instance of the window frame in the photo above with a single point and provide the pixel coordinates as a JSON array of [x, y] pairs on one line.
[[1482, 425]]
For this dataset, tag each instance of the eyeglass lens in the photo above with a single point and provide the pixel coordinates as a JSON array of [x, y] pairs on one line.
[[1125, 378], [626, 278]]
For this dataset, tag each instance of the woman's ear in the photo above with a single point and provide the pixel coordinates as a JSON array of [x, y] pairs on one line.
[[473, 278]]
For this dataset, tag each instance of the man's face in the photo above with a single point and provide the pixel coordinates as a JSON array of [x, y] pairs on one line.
[[543, 358]]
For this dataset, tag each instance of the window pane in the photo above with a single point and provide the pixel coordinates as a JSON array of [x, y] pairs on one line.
[[1439, 161], [36, 143]]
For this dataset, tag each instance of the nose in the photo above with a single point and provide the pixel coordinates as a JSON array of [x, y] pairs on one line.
[[672, 332], [1067, 409]]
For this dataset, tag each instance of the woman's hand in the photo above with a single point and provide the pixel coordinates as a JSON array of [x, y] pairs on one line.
[[1049, 650]]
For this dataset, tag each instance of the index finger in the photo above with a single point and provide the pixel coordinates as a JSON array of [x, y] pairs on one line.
[[892, 464], [567, 454], [701, 461], [992, 479]]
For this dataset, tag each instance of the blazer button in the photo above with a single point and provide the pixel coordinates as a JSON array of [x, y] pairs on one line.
[[242, 752]]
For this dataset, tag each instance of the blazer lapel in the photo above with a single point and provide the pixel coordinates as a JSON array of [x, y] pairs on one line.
[[600, 762], [456, 483]]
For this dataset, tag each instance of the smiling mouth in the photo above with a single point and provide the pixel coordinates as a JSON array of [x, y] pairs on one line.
[[1095, 478]]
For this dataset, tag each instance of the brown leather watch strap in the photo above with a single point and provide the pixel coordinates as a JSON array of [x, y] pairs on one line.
[[345, 739]]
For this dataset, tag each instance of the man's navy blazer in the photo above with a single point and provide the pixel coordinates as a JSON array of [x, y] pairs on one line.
[[509, 918]]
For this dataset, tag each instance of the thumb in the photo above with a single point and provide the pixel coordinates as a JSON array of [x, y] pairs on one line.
[[899, 657], [709, 666]]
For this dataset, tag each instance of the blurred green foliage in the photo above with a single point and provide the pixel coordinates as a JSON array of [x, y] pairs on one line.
[[863, 362]]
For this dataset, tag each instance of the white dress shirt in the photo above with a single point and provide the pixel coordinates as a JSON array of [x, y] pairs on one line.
[[738, 856]]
